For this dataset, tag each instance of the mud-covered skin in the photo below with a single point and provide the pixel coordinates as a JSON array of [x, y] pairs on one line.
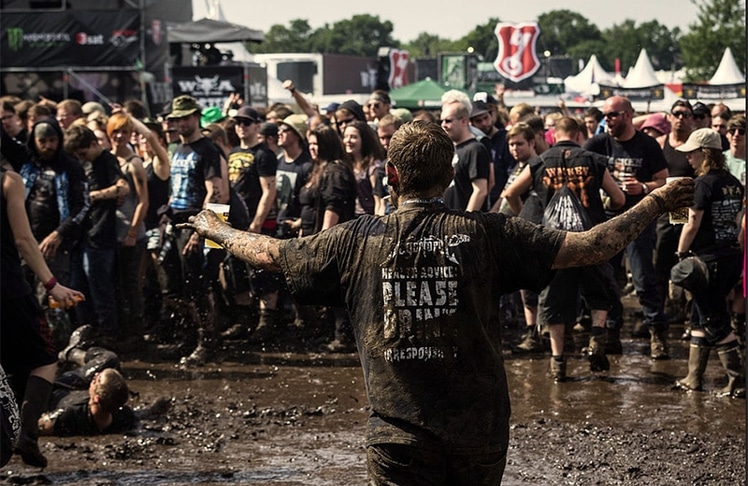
[[605, 240], [587, 248]]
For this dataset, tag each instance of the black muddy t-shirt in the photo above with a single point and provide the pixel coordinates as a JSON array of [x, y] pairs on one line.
[[72, 416], [421, 286]]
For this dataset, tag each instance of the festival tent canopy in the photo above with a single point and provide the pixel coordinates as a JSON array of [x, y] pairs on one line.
[[588, 79], [642, 75], [426, 93], [211, 31], [728, 71]]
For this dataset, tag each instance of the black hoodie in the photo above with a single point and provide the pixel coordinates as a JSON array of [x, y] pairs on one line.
[[56, 191]]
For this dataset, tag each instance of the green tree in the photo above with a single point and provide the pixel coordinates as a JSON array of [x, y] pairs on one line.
[[627, 39], [361, 35], [560, 30], [720, 24], [483, 40], [428, 45], [295, 38]]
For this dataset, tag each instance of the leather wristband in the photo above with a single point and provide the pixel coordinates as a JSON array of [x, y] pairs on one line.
[[50, 284]]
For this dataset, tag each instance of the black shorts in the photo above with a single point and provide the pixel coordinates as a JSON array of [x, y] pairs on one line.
[[26, 340], [558, 301]]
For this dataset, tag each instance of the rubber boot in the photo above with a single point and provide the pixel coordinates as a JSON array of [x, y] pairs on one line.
[[34, 404], [698, 357], [658, 344], [737, 323], [613, 341], [531, 342], [595, 351], [207, 344], [266, 332], [558, 369], [729, 356]]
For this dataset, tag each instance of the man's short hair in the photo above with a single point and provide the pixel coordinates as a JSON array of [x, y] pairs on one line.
[[112, 390], [455, 96], [569, 126], [535, 121], [74, 107], [79, 137], [422, 153], [381, 96], [594, 112], [390, 120]]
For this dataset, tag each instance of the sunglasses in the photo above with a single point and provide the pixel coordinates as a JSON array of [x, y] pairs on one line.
[[681, 114], [737, 130], [373, 105], [613, 114], [245, 122], [700, 116], [346, 121], [448, 120]]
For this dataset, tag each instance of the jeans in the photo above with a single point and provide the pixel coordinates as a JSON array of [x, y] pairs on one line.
[[640, 253], [94, 275], [130, 295]]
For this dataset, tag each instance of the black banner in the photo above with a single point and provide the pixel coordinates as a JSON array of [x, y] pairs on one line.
[[633, 94], [210, 85], [713, 92], [76, 38]]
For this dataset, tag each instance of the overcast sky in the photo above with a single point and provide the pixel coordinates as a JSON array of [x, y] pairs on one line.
[[447, 19]]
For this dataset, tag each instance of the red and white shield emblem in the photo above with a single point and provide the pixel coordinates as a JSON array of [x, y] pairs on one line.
[[398, 68], [517, 59]]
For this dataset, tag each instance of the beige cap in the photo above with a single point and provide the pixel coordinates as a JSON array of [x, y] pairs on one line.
[[701, 138]]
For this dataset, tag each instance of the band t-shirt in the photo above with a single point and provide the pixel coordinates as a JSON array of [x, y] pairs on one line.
[[246, 166], [421, 286], [191, 165], [720, 195], [640, 157]]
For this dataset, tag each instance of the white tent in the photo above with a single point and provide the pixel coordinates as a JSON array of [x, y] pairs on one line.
[[642, 75], [728, 71], [588, 79]]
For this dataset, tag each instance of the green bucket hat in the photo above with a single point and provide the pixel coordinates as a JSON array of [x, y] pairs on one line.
[[211, 115], [184, 105]]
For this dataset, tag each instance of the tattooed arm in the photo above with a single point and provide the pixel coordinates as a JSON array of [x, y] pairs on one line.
[[258, 250], [606, 239]]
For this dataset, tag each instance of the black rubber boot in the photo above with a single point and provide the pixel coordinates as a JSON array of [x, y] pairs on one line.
[[613, 343], [34, 404], [557, 369], [729, 355], [698, 357]]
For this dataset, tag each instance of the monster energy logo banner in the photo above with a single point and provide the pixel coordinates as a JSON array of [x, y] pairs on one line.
[[74, 38], [15, 38]]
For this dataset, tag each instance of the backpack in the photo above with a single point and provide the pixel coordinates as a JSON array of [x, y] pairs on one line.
[[565, 211]]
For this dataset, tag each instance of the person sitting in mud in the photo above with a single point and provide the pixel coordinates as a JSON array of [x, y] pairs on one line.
[[421, 286], [91, 399]]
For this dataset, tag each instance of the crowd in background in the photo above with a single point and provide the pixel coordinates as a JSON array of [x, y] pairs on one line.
[[104, 202]]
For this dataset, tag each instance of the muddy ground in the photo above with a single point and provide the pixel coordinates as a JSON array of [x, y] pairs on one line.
[[291, 418]]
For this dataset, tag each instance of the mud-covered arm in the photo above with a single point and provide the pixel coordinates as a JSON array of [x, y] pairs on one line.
[[258, 250], [600, 243]]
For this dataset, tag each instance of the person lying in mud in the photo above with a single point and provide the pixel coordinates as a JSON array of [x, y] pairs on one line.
[[422, 286], [91, 399]]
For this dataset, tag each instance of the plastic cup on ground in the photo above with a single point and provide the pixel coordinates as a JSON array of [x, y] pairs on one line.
[[222, 210]]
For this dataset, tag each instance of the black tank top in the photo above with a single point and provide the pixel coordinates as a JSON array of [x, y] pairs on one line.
[[677, 164], [158, 195], [12, 280]]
